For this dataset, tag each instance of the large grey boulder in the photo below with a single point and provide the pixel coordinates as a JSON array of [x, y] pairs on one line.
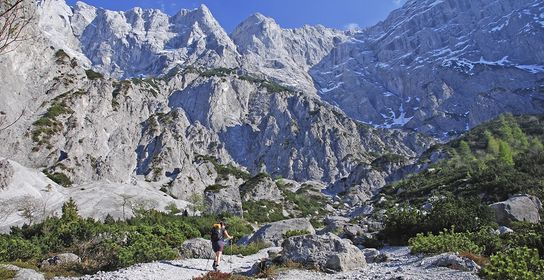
[[273, 232], [6, 173], [23, 273], [518, 208], [198, 248], [326, 252]]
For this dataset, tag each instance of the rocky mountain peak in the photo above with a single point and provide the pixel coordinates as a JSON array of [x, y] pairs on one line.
[[257, 33]]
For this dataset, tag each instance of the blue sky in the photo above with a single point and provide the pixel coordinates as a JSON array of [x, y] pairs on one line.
[[288, 13]]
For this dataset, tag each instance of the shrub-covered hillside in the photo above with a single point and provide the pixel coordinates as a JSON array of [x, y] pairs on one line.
[[494, 160], [445, 207]]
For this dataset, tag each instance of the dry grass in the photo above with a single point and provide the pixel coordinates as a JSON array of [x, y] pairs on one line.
[[478, 259]]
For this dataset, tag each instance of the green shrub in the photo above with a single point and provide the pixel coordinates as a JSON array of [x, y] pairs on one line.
[[462, 214], [527, 235], [447, 241], [518, 263], [244, 250], [92, 75], [7, 274], [144, 247], [16, 248], [60, 178], [262, 211], [402, 224], [295, 232]]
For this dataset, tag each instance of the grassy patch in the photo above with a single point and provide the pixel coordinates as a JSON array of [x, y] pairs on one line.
[[244, 250], [7, 274], [223, 171], [291, 233], [215, 188], [92, 75], [262, 211], [59, 178]]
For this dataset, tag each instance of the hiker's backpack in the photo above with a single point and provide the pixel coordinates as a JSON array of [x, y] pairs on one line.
[[216, 233]]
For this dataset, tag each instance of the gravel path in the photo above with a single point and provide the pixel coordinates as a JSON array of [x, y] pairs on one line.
[[401, 265]]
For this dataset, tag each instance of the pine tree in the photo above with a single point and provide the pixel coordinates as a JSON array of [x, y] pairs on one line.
[[69, 210], [505, 153], [520, 137], [464, 151], [506, 130], [492, 143]]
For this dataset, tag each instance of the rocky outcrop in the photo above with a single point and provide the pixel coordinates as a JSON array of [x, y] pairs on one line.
[[272, 233], [260, 188], [223, 199], [6, 173], [523, 208], [326, 252], [198, 248]]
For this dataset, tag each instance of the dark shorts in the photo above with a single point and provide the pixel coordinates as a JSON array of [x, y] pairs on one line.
[[218, 246]]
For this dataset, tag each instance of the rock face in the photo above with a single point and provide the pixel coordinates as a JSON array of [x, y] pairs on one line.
[[523, 208], [224, 200], [433, 66], [273, 232], [260, 188], [148, 42], [6, 173], [326, 252], [198, 248]]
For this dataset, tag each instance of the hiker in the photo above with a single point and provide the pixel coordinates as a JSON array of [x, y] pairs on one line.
[[219, 232]]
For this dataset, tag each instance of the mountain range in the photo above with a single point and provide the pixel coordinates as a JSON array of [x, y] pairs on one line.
[[172, 105]]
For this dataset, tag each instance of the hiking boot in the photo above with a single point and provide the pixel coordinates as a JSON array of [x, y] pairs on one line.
[[214, 266]]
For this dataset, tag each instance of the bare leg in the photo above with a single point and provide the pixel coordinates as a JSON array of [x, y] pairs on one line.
[[219, 257]]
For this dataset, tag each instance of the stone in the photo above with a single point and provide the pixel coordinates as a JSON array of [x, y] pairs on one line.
[[62, 259], [505, 230], [197, 248], [6, 173], [326, 252], [272, 233], [452, 261], [523, 208]]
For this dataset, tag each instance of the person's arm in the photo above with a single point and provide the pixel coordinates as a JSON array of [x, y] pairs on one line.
[[227, 235]]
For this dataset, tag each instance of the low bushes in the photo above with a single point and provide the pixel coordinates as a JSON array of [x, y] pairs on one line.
[[244, 250], [402, 223], [518, 263], [446, 241]]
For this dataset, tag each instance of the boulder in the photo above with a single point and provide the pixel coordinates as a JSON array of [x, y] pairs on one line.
[[518, 208], [197, 248], [6, 173], [273, 232], [450, 260], [504, 230], [23, 273], [334, 224], [326, 252], [373, 255], [62, 259]]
